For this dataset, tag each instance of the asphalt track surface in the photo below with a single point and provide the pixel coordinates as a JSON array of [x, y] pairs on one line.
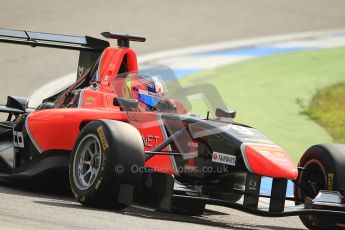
[[167, 25]]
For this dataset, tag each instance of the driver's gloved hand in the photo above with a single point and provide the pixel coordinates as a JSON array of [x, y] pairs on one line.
[[165, 106]]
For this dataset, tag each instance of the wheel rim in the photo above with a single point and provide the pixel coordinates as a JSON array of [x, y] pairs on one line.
[[314, 179], [87, 162]]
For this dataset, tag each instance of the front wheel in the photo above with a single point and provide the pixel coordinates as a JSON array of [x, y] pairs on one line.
[[102, 160], [321, 169]]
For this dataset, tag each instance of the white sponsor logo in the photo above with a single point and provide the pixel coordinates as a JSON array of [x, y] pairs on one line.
[[80, 70], [224, 158], [192, 144], [243, 130], [18, 140]]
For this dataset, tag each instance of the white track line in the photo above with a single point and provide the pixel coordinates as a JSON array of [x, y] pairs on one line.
[[51, 88], [62, 82], [239, 43]]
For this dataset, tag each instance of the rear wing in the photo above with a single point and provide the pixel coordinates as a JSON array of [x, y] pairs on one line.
[[24, 37], [90, 48]]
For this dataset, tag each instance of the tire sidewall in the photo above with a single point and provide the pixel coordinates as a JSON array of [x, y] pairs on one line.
[[320, 156], [103, 193], [325, 161]]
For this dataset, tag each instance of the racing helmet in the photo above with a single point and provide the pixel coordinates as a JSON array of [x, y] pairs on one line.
[[147, 90]]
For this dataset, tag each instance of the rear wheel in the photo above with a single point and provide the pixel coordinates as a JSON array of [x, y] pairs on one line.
[[321, 170], [101, 162]]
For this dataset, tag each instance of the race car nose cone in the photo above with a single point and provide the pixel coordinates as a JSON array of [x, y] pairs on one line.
[[269, 160]]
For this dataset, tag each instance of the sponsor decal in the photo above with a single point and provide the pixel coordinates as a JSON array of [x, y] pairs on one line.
[[252, 185], [90, 98], [273, 152], [87, 103], [243, 130], [98, 183], [127, 90], [150, 140], [224, 158], [80, 70], [104, 141], [330, 178], [193, 144], [18, 140]]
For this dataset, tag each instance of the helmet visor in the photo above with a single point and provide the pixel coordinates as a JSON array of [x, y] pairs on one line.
[[147, 99]]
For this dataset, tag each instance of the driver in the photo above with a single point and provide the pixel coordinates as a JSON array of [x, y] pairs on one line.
[[148, 91]]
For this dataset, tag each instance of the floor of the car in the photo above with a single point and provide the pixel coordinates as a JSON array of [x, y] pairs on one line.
[[6, 128], [8, 124], [6, 148]]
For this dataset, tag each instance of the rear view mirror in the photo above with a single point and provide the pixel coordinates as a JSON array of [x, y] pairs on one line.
[[126, 103], [225, 113], [20, 103], [46, 105]]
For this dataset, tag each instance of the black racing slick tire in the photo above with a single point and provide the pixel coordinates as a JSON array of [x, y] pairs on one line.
[[322, 168], [187, 207], [101, 163]]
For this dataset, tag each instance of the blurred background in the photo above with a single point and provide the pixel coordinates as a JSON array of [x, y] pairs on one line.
[[166, 24], [293, 92], [268, 93]]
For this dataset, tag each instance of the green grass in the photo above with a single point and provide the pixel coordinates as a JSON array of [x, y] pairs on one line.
[[328, 109], [265, 93]]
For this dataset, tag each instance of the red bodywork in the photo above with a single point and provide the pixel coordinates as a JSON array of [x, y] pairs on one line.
[[270, 160], [58, 128]]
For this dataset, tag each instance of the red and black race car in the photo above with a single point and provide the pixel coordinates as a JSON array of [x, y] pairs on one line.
[[121, 141]]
